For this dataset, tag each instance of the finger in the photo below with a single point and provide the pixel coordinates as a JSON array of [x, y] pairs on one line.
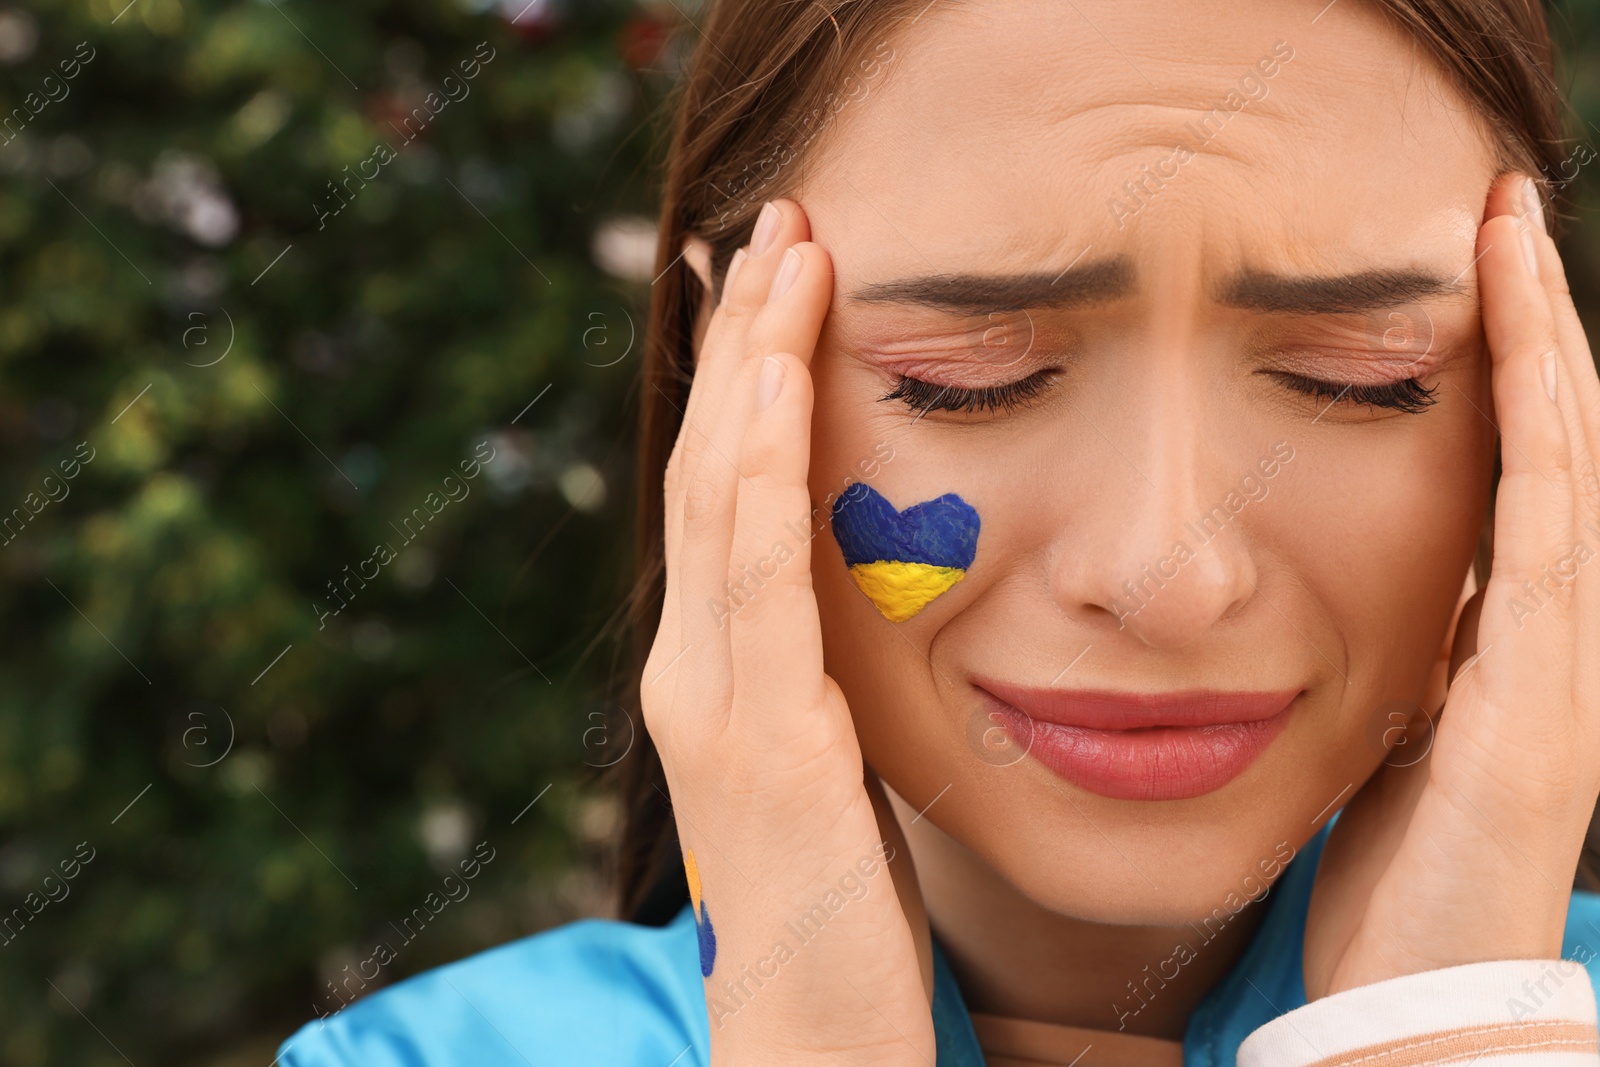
[[1517, 194], [772, 615], [673, 482], [1533, 506], [790, 324], [719, 335], [711, 483], [775, 631], [1580, 400], [670, 647], [744, 292], [1576, 354], [704, 434], [781, 224]]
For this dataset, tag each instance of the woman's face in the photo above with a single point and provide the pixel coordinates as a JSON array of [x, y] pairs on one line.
[[1213, 242]]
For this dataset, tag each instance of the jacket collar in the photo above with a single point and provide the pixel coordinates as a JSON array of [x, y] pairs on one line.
[[1268, 980]]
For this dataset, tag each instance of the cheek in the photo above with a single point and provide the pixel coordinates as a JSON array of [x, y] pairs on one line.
[[884, 667], [1380, 531], [897, 498], [844, 450]]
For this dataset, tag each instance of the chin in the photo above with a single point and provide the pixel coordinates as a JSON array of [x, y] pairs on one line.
[[1120, 862], [1222, 876]]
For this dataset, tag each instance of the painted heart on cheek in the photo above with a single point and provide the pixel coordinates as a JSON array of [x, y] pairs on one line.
[[902, 560]]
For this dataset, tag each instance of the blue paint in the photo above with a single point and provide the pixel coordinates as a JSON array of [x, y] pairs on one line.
[[708, 940], [942, 532]]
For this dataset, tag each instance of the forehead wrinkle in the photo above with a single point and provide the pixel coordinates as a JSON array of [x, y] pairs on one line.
[[1273, 127], [1251, 143], [982, 48], [968, 159]]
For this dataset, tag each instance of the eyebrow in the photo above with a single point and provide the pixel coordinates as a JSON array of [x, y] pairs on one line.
[[975, 294], [1369, 290]]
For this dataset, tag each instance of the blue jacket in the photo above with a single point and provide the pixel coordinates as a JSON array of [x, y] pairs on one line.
[[614, 993]]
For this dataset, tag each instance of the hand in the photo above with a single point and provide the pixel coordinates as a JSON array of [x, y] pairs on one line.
[[795, 850], [1469, 855]]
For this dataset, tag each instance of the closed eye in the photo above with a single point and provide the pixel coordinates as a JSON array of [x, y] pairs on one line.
[[923, 397], [1408, 395]]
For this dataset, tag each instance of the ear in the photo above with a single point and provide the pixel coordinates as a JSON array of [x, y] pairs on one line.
[[697, 253]]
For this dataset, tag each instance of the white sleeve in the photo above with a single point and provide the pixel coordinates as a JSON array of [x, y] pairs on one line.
[[1506, 1013]]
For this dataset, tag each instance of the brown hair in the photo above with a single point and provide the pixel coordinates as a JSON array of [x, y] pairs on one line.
[[763, 80]]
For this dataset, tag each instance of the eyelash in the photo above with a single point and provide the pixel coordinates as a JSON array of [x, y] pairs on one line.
[[923, 397], [1409, 396]]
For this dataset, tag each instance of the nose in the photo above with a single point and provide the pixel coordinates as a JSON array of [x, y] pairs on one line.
[[1162, 551]]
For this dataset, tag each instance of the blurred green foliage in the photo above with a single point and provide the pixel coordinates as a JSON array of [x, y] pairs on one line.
[[261, 392], [265, 390]]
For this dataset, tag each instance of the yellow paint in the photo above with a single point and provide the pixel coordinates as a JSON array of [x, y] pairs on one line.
[[899, 589], [693, 873]]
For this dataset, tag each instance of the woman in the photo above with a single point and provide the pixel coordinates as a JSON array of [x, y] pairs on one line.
[[1096, 412]]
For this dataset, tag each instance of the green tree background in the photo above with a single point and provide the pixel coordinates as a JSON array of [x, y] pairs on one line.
[[266, 376], [265, 386]]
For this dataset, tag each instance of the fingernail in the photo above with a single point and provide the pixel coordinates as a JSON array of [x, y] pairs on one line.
[[766, 229], [1547, 371], [788, 271], [733, 272], [771, 383], [1530, 255], [1532, 207]]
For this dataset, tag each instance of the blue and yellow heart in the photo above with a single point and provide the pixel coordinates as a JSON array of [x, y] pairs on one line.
[[902, 560], [702, 918]]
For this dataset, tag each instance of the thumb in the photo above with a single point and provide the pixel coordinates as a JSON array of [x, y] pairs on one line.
[[1465, 645]]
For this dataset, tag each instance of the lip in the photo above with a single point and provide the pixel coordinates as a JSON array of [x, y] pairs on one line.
[[1141, 746]]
